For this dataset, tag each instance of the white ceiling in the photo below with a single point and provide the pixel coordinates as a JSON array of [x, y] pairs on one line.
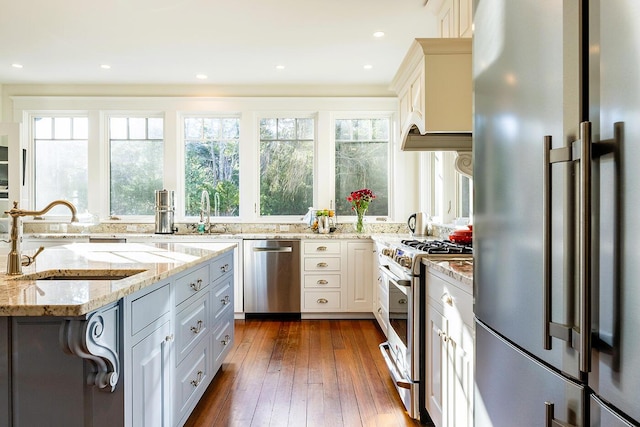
[[233, 42]]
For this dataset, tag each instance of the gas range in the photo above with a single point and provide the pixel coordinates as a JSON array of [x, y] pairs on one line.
[[403, 257]]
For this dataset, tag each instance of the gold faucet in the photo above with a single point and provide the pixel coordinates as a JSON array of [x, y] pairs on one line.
[[14, 260]]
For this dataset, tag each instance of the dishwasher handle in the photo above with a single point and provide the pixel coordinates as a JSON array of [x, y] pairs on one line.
[[282, 249]]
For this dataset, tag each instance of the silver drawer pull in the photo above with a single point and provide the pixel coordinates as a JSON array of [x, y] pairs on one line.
[[322, 265], [196, 329], [198, 379], [226, 300], [224, 268], [197, 285], [322, 301], [321, 248], [168, 338], [402, 301], [322, 282], [226, 340]]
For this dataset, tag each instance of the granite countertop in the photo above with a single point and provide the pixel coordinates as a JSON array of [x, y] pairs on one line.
[[32, 297], [461, 271], [197, 236]]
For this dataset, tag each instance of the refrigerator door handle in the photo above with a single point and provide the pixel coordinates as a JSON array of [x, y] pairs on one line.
[[580, 339], [584, 242], [550, 421], [551, 329]]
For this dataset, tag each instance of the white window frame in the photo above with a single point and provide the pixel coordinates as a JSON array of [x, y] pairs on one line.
[[29, 189], [180, 165], [390, 115], [106, 215], [250, 110]]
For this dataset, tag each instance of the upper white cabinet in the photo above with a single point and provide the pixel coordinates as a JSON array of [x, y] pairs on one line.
[[434, 87], [455, 19]]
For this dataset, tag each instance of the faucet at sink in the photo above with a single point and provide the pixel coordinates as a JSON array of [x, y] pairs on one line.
[[14, 259], [205, 208]]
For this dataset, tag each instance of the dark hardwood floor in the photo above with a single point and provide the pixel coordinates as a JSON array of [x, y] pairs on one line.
[[303, 373]]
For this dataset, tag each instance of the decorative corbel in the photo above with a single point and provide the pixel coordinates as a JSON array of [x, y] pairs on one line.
[[464, 163], [83, 338]]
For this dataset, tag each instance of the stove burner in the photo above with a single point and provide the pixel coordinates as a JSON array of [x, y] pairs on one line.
[[438, 246]]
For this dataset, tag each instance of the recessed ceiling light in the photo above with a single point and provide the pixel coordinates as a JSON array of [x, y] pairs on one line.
[[368, 67], [378, 34], [279, 67], [202, 76], [105, 66], [16, 65]]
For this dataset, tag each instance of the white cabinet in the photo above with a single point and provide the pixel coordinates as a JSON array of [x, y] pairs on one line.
[[381, 294], [360, 283], [449, 359], [455, 18], [434, 84], [322, 277], [337, 276]]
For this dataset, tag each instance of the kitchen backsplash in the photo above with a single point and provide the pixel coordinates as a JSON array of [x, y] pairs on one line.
[[38, 227]]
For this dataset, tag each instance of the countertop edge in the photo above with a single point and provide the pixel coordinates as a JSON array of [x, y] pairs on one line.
[[129, 286]]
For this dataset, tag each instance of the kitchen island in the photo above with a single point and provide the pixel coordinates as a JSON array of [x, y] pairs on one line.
[[83, 349]]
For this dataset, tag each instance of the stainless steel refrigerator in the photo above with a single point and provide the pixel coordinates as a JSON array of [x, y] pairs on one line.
[[557, 194]]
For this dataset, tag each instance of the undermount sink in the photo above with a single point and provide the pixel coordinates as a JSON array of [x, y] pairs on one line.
[[90, 274]]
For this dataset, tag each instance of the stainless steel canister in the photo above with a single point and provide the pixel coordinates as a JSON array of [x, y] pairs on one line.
[[165, 212]]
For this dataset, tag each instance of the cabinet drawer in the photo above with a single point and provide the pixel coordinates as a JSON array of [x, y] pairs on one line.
[[449, 296], [150, 307], [222, 340], [322, 301], [192, 378], [321, 264], [322, 281], [321, 247], [192, 324], [222, 298], [221, 266], [191, 283]]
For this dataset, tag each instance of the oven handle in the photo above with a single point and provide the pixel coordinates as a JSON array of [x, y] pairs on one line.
[[393, 368], [395, 279]]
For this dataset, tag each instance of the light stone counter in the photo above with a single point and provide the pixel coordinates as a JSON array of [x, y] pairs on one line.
[[19, 297], [196, 236], [460, 271]]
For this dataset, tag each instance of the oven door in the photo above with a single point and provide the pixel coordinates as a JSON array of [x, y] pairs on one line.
[[398, 351]]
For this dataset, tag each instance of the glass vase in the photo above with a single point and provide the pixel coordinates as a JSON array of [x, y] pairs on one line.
[[359, 224]]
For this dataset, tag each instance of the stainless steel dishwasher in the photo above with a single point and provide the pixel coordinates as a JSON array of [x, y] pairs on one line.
[[272, 278]]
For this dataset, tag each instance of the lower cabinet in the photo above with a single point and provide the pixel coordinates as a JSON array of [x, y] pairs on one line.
[[143, 361], [449, 357], [337, 276], [151, 379], [178, 334]]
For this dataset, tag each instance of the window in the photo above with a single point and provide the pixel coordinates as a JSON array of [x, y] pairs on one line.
[[61, 162], [136, 164], [212, 164], [362, 161], [286, 165]]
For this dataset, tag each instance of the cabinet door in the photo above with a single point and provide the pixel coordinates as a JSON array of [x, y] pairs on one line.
[[150, 376], [446, 20], [360, 282], [436, 361], [459, 383]]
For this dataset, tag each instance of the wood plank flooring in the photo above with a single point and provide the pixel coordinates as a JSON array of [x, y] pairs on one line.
[[303, 373]]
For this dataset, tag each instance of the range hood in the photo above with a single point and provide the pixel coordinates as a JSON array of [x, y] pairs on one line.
[[434, 87]]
